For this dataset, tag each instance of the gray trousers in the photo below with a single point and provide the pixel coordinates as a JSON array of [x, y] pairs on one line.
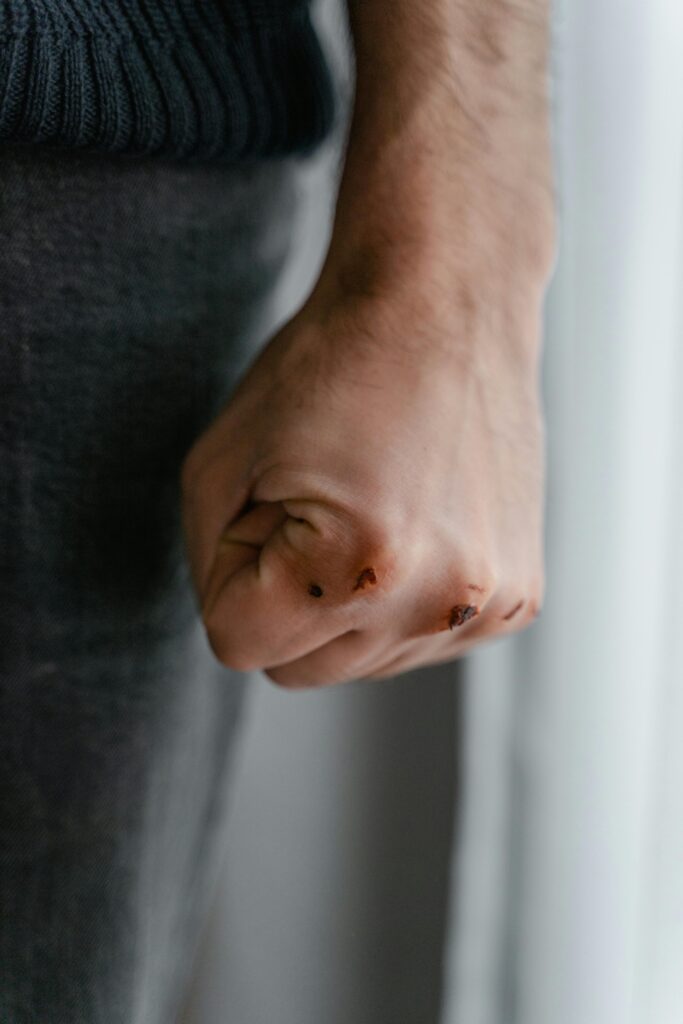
[[133, 293]]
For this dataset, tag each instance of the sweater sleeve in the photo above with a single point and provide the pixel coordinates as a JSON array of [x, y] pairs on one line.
[[190, 79]]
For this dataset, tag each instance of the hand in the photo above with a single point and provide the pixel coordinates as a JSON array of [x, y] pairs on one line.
[[370, 498]]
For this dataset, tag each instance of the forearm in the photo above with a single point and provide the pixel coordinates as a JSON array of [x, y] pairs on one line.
[[449, 145]]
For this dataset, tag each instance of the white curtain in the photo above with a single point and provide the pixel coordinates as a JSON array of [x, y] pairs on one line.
[[567, 895]]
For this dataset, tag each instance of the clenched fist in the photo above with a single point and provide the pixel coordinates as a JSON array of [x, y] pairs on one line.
[[370, 499]]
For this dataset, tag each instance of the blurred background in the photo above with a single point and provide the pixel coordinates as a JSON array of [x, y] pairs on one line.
[[500, 840]]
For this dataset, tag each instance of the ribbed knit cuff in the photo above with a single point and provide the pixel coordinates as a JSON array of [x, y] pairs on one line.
[[192, 79]]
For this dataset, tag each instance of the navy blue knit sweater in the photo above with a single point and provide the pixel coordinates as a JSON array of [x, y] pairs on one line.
[[224, 79]]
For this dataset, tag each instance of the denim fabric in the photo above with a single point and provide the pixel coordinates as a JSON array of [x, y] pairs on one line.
[[133, 292]]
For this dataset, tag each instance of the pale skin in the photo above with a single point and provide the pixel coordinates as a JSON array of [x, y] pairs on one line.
[[370, 500]]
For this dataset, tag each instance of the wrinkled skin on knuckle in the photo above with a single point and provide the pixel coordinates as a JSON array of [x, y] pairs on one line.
[[339, 557], [318, 564]]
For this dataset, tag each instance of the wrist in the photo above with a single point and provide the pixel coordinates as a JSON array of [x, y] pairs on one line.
[[415, 301], [449, 149], [419, 222], [415, 236]]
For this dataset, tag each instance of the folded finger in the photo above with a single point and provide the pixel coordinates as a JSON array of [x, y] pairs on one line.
[[278, 606], [336, 661]]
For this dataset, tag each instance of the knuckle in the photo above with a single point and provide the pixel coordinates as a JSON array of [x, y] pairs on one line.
[[459, 597], [360, 555], [376, 542], [478, 580], [379, 532]]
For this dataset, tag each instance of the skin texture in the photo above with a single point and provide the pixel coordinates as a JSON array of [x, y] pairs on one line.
[[370, 499]]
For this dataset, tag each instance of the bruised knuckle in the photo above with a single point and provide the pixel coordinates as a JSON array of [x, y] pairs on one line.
[[477, 578], [457, 598], [458, 607], [377, 544], [356, 558]]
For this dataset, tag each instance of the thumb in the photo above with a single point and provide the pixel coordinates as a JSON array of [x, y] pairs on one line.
[[239, 544]]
